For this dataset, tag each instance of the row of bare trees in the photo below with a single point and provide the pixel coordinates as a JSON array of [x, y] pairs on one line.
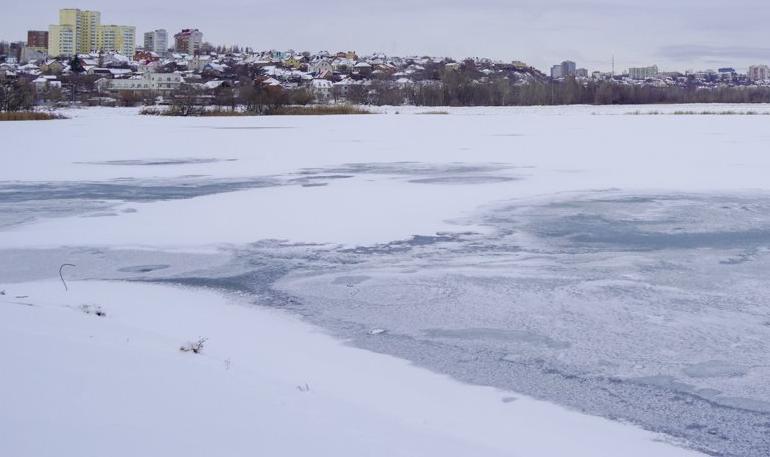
[[502, 92], [16, 95], [250, 96]]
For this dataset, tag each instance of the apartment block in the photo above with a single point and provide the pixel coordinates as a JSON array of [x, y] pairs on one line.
[[642, 73], [120, 38], [80, 32], [62, 40], [759, 73], [37, 39], [156, 41], [188, 41]]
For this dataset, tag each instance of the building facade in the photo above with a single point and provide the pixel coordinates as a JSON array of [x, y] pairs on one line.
[[564, 70], [119, 38], [75, 33], [12, 51], [156, 41], [759, 73], [154, 83], [188, 41], [81, 32], [62, 40], [568, 68], [37, 39], [642, 73]]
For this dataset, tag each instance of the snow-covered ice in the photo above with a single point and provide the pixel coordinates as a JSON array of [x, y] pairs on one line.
[[75, 383], [610, 263]]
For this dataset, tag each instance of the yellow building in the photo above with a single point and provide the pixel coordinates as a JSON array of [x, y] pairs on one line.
[[120, 38], [81, 32], [75, 33], [61, 40]]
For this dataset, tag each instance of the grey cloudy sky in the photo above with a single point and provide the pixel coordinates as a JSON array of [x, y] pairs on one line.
[[675, 34]]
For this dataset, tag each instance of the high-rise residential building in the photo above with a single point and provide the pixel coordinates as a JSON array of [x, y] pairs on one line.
[[12, 50], [120, 38], [643, 72], [75, 33], [62, 40], [37, 39], [568, 68], [759, 73], [156, 41], [564, 70], [80, 31], [188, 41]]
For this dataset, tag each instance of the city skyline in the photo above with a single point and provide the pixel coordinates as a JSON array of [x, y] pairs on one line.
[[658, 34]]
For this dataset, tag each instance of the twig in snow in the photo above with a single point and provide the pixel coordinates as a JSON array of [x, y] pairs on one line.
[[194, 347], [62, 277]]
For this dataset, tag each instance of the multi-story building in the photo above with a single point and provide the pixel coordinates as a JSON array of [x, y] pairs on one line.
[[120, 38], [642, 73], [568, 68], [80, 31], [759, 73], [565, 69], [37, 39], [156, 41], [12, 51], [62, 40], [188, 41], [149, 82], [75, 33], [727, 74]]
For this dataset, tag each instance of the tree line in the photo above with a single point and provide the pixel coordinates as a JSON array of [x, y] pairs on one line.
[[454, 91]]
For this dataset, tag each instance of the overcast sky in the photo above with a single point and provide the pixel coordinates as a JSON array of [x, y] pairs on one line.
[[675, 34]]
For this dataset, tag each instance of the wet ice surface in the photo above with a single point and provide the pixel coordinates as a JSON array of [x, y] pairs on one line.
[[627, 306], [27, 201], [649, 308], [157, 162], [128, 189]]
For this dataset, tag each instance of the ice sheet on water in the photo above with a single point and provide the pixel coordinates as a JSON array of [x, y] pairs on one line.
[[629, 294], [715, 369], [611, 303], [158, 162]]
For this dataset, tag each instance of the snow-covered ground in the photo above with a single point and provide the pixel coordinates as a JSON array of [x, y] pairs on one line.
[[78, 383], [607, 262]]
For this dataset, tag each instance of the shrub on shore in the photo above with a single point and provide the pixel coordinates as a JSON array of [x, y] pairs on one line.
[[318, 110], [29, 116], [312, 110]]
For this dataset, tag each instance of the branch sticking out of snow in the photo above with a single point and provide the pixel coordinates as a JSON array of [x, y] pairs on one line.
[[194, 347]]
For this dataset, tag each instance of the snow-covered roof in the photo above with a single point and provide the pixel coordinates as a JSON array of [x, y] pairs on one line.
[[213, 84]]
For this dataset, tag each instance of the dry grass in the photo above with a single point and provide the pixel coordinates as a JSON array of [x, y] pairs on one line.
[[149, 111], [699, 113], [30, 116], [319, 110], [315, 110]]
